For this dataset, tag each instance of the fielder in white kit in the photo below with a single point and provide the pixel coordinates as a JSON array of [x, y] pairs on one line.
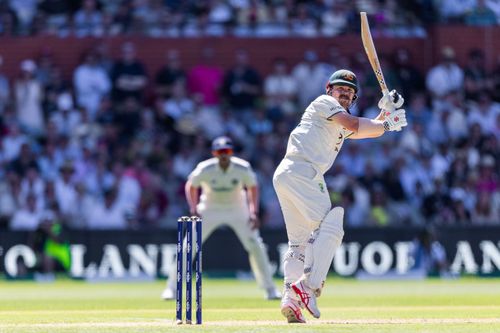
[[229, 196], [314, 229]]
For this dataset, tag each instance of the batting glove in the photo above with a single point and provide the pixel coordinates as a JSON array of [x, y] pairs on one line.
[[395, 121], [391, 101]]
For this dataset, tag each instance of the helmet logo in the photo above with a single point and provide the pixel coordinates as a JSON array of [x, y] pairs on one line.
[[348, 77]]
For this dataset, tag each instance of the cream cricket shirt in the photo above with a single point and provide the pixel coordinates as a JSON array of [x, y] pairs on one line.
[[317, 139], [223, 188]]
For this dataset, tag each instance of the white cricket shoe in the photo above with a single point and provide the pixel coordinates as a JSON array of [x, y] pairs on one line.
[[307, 296], [168, 294], [273, 294], [290, 309]]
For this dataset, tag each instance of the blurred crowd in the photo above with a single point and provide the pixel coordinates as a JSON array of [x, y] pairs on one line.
[[261, 18], [111, 146]]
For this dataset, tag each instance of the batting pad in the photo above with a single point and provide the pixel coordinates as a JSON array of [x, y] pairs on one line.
[[321, 248]]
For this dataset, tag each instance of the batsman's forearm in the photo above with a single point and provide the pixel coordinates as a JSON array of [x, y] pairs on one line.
[[369, 128]]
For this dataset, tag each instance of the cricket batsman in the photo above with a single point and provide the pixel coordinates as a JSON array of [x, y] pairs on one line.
[[314, 229], [229, 196]]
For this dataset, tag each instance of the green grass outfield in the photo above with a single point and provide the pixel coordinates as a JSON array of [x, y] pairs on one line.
[[464, 305]]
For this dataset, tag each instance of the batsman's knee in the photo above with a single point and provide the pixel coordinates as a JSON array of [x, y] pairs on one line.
[[334, 222]]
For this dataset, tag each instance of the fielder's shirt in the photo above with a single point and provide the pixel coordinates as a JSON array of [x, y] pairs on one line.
[[317, 139], [223, 188]]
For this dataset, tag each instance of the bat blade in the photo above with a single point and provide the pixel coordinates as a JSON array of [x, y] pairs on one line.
[[371, 52]]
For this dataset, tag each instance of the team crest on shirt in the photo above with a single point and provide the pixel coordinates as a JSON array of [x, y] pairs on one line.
[[321, 187]]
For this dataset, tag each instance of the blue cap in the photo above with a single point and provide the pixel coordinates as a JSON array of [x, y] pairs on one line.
[[222, 142]]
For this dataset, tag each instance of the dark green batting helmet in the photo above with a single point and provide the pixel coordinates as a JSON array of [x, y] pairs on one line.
[[345, 78]]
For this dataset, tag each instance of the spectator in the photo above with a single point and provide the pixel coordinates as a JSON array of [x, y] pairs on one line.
[[456, 121], [302, 24], [153, 203], [66, 118], [104, 61], [446, 77], [127, 188], [410, 78], [24, 161], [169, 75], [65, 191], [280, 90], [208, 119], [483, 212], [25, 12], [12, 143], [481, 15], [418, 111], [336, 60], [484, 113], [49, 161], [475, 79], [150, 15], [49, 199], [29, 96], [179, 105], [127, 118], [334, 20], [56, 12], [220, 12], [437, 205], [32, 184], [91, 84], [4, 88], [107, 214], [453, 11], [496, 80], [462, 215], [128, 75], [184, 162], [488, 179], [206, 78], [123, 18], [309, 77], [495, 7], [28, 217], [379, 214], [260, 124], [44, 67], [254, 17], [10, 187], [242, 85], [88, 20], [7, 20]]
